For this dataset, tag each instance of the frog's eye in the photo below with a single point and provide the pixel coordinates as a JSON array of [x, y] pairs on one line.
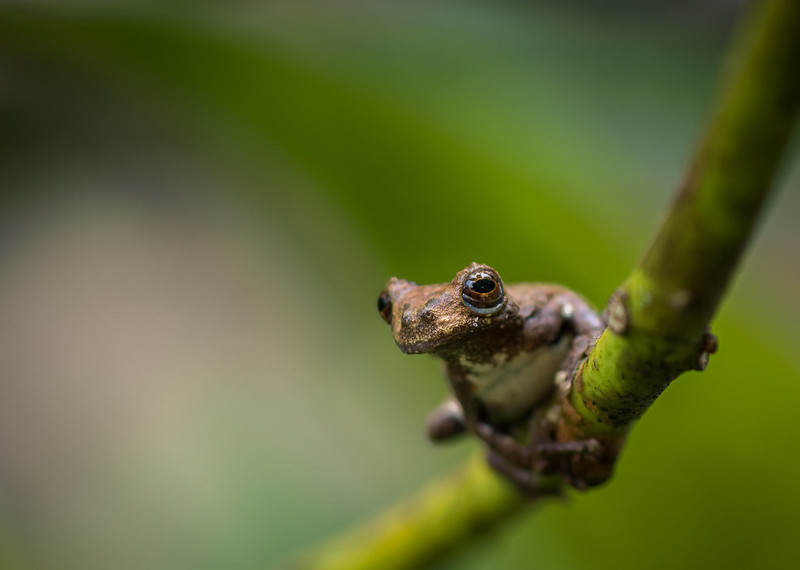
[[385, 306], [483, 292]]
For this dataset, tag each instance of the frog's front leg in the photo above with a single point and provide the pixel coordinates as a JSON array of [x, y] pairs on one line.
[[446, 421], [584, 325], [563, 313], [576, 314]]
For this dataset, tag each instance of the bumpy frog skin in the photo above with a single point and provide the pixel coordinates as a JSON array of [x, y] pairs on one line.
[[503, 347]]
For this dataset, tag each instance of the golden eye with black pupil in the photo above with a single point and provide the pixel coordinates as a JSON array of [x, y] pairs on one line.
[[385, 306], [483, 292]]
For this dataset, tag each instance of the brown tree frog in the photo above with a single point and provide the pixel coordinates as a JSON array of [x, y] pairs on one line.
[[503, 347]]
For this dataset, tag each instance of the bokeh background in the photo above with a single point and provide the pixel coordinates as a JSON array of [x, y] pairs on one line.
[[201, 201]]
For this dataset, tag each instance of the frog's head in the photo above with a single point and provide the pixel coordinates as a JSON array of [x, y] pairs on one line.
[[428, 318]]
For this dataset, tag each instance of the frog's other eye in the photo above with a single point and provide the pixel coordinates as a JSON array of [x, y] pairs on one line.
[[483, 292], [385, 306]]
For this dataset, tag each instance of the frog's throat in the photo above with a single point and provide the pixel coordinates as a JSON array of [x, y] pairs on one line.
[[509, 387]]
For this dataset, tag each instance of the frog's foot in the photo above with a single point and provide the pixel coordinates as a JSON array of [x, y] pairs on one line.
[[570, 458], [560, 448], [446, 422], [504, 445], [527, 482]]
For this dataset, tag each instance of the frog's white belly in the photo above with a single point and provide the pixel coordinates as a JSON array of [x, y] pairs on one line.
[[509, 389]]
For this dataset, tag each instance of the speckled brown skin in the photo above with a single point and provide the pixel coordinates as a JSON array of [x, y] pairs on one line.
[[501, 366]]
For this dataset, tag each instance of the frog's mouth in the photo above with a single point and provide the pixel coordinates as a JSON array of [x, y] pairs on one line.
[[429, 346], [420, 347], [441, 344]]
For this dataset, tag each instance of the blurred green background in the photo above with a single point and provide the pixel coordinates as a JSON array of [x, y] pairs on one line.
[[201, 202]]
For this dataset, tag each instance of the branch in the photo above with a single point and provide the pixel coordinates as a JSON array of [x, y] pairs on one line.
[[425, 527], [658, 320]]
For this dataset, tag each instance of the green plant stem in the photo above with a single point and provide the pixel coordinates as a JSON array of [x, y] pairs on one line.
[[424, 527], [667, 303], [659, 316]]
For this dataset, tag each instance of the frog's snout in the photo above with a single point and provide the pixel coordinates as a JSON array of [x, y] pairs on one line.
[[393, 291], [396, 288]]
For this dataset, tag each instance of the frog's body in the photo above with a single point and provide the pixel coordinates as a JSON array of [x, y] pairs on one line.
[[502, 346], [519, 374]]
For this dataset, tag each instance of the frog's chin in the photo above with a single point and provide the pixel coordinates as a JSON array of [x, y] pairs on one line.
[[429, 346], [419, 347]]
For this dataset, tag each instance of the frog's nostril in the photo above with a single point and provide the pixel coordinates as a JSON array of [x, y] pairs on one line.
[[408, 317]]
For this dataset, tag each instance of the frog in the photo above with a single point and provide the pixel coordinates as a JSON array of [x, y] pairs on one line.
[[507, 350]]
